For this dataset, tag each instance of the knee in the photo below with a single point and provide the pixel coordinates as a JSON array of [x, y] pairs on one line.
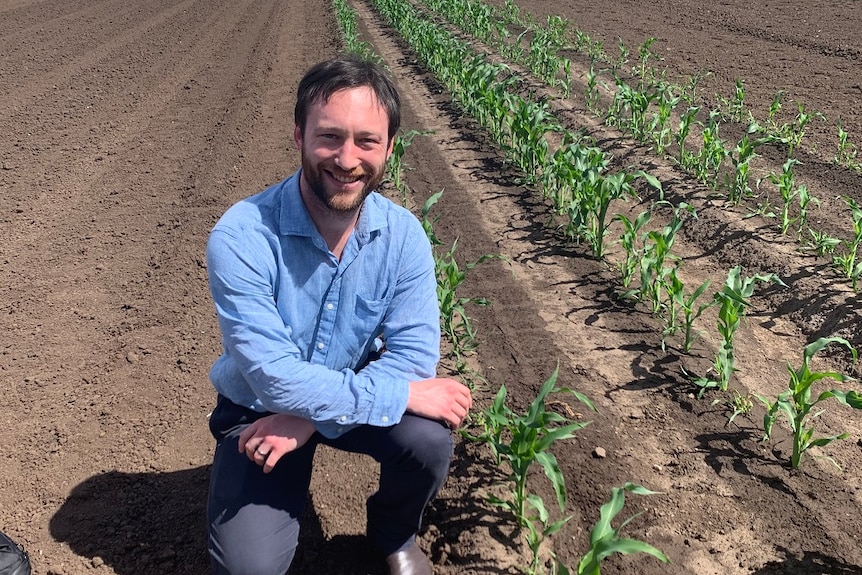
[[241, 561], [430, 443]]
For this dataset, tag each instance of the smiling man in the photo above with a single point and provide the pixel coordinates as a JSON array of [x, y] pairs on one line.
[[326, 299]]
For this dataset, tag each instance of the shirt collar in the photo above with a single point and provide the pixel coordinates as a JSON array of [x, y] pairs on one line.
[[295, 221]]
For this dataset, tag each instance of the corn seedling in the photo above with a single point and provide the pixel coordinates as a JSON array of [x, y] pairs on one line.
[[346, 18], [687, 306], [738, 404], [539, 528], [395, 165], [847, 262], [636, 102], [740, 159], [689, 92], [712, 152], [522, 440], [591, 93], [821, 243], [687, 159], [605, 540], [785, 184], [667, 101], [733, 300], [792, 133], [846, 153], [735, 105], [797, 402], [454, 321], [643, 70], [628, 240], [589, 211], [656, 256]]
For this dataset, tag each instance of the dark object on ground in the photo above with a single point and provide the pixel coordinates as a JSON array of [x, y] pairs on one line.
[[13, 559]]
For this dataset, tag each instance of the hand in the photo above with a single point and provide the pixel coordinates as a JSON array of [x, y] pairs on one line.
[[270, 437], [440, 398]]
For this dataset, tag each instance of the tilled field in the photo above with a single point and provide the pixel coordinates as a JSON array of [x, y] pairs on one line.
[[128, 128]]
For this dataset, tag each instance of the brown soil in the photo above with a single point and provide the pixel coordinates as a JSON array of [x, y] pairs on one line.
[[130, 127]]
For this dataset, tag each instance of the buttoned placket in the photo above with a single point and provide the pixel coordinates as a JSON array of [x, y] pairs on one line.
[[329, 310]]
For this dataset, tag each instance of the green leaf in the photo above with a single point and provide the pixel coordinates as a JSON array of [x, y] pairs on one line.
[[552, 470]]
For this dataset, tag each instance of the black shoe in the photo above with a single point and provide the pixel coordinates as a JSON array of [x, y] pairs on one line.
[[410, 561]]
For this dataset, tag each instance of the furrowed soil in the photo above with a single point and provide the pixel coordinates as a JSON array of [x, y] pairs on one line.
[[128, 128]]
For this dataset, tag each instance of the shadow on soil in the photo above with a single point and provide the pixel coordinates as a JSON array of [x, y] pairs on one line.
[[808, 563], [156, 523]]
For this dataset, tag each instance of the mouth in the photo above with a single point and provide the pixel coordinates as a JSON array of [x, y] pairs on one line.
[[348, 179]]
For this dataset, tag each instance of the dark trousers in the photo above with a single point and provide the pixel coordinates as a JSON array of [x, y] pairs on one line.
[[254, 517]]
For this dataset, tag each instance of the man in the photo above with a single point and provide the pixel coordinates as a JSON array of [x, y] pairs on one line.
[[326, 300]]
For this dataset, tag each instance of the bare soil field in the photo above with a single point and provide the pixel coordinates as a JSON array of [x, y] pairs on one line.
[[128, 128]]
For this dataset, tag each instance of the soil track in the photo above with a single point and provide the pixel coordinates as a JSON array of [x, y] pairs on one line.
[[129, 129]]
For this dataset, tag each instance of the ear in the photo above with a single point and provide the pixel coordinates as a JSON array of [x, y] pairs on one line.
[[297, 136], [390, 147]]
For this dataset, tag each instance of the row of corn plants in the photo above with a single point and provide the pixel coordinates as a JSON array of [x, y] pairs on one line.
[[733, 298], [520, 441], [644, 103], [660, 283]]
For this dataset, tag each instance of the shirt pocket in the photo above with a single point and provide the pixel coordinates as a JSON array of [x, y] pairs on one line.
[[369, 314]]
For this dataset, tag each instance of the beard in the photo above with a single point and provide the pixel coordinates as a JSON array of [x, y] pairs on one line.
[[337, 200]]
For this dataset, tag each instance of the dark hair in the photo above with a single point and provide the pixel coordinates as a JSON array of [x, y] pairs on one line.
[[326, 78]]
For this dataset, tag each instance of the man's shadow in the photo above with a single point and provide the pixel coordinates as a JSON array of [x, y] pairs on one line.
[[143, 523]]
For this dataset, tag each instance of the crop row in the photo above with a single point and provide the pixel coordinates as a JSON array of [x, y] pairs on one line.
[[572, 174]]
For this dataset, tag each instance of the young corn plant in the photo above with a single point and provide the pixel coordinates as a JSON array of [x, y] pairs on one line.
[[738, 404], [455, 324], [847, 262], [591, 92], [395, 164], [667, 101], [846, 152], [605, 540], [735, 105], [347, 22], [686, 158], [733, 300], [793, 132], [798, 401], [633, 254], [683, 309], [712, 152], [789, 192], [520, 441], [656, 261], [821, 243], [745, 151], [588, 212]]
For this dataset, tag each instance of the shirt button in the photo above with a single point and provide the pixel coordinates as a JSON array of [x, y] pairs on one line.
[[342, 419], [320, 345], [329, 306], [384, 419]]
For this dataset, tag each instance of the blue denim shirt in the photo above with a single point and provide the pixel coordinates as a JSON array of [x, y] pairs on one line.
[[297, 323]]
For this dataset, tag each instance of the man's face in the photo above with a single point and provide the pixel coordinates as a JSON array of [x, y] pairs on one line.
[[344, 149]]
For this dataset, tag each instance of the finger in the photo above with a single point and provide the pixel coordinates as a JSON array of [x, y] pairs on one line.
[[271, 460], [247, 435], [244, 436]]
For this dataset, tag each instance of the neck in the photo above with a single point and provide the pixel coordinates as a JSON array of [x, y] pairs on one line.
[[334, 226]]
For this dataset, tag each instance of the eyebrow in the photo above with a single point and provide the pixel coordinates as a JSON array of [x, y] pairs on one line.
[[326, 128]]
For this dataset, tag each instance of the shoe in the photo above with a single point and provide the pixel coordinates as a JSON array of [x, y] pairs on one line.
[[410, 561]]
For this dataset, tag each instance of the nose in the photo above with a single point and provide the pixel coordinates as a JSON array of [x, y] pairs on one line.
[[347, 157]]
